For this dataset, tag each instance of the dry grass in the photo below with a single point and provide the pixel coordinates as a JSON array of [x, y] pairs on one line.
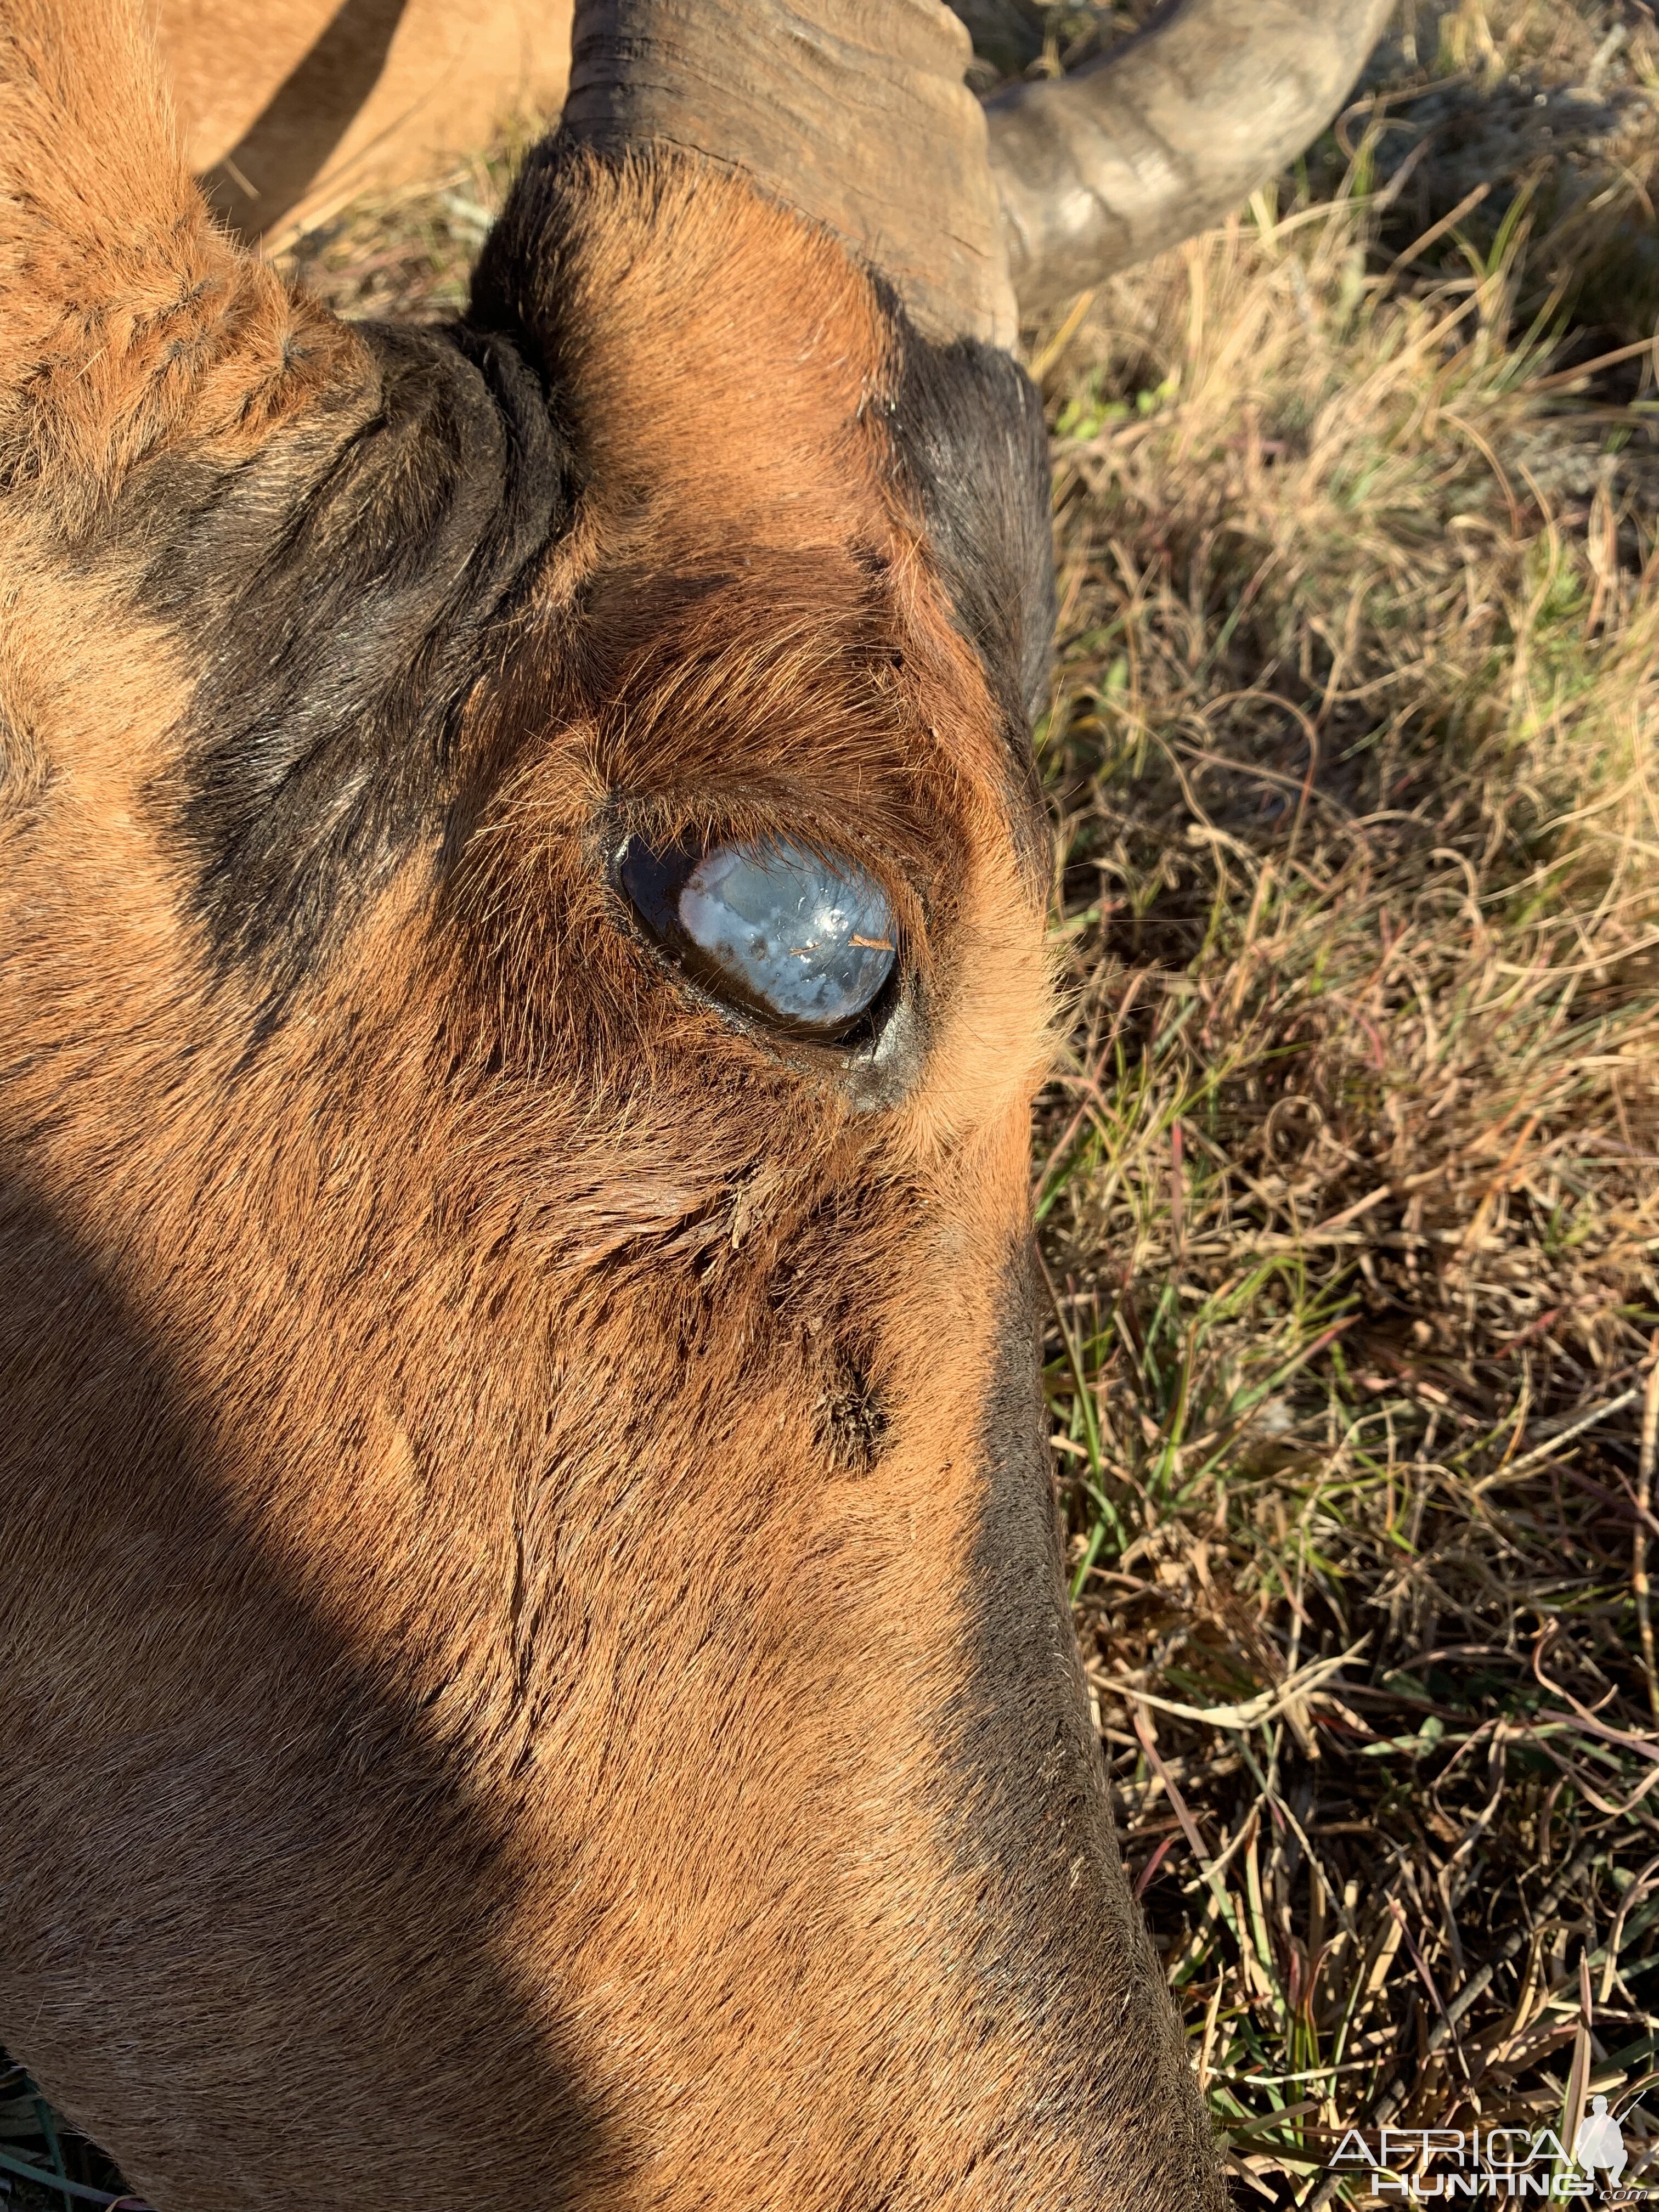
[[1347, 1186], [1348, 1196]]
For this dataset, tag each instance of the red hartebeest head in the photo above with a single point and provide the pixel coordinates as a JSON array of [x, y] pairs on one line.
[[534, 1665]]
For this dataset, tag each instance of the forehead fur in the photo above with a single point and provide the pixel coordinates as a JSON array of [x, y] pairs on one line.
[[718, 356]]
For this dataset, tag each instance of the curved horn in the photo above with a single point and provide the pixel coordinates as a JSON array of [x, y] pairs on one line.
[[1167, 133], [856, 116]]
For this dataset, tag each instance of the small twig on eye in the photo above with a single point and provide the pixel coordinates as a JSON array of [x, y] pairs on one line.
[[872, 943]]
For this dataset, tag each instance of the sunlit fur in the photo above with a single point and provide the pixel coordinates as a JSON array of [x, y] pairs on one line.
[[499, 1595], [287, 107]]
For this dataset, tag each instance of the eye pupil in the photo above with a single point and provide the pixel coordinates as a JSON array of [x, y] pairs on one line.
[[806, 941]]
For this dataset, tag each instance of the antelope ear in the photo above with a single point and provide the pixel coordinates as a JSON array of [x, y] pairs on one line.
[[129, 321]]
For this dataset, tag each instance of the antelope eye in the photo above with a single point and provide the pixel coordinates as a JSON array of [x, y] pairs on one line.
[[805, 941]]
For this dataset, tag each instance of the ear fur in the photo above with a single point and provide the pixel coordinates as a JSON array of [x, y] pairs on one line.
[[129, 321]]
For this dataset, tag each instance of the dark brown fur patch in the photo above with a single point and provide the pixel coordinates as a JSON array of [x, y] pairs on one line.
[[341, 645], [851, 1423]]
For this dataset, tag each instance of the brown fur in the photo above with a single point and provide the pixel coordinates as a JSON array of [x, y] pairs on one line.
[[287, 106], [473, 1733]]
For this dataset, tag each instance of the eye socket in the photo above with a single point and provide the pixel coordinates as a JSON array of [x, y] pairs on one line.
[[807, 944]]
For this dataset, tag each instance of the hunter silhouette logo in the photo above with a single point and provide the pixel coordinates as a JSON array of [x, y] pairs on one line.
[[1418, 2164], [1600, 2143]]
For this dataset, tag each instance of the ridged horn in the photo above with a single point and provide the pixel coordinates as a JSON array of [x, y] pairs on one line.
[[855, 114], [1166, 133]]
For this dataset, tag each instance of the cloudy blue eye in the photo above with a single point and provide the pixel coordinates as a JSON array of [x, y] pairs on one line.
[[792, 936]]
